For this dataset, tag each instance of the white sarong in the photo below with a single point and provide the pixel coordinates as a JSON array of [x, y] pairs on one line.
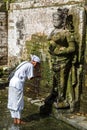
[[15, 95]]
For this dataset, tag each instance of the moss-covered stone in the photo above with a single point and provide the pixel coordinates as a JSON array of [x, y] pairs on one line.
[[3, 7], [38, 45]]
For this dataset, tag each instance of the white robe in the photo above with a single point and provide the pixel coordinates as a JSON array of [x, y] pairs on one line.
[[16, 85]]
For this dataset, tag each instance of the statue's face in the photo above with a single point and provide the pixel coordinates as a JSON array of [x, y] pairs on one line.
[[57, 21]]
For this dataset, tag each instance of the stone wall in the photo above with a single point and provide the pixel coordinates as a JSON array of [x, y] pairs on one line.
[[3, 39], [31, 22], [31, 17]]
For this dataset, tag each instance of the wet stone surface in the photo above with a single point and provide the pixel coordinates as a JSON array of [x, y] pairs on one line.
[[31, 115]]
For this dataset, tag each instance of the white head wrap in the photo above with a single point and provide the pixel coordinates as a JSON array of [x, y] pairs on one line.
[[35, 58]]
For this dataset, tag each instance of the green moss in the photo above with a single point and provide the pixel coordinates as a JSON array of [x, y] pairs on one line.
[[38, 45], [3, 7], [35, 44]]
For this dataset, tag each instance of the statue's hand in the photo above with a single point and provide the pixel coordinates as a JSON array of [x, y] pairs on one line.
[[62, 48], [60, 51]]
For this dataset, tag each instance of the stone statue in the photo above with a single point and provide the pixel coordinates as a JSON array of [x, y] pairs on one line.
[[62, 48], [64, 59]]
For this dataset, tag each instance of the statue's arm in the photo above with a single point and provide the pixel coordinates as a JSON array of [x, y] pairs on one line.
[[67, 50], [52, 46]]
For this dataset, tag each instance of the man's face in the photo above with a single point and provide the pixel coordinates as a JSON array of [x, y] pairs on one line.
[[34, 63]]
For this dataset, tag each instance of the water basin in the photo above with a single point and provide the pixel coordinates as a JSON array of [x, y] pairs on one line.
[[31, 115]]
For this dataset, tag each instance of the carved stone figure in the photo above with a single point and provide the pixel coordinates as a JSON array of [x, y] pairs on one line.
[[64, 59]]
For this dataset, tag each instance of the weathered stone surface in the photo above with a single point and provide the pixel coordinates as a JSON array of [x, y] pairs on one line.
[[3, 39], [22, 24], [42, 3]]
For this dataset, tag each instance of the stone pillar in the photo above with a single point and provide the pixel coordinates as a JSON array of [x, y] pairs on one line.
[[83, 102]]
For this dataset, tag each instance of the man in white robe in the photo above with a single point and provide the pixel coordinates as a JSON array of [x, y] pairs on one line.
[[16, 85]]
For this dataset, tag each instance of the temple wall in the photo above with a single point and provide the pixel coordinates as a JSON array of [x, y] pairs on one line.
[[3, 39], [27, 18], [25, 28]]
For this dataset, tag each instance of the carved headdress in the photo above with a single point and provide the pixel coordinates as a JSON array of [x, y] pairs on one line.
[[61, 15]]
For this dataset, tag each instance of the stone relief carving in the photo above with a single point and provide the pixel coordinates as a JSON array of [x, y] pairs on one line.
[[63, 49]]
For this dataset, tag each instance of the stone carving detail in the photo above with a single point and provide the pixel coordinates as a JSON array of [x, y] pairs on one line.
[[64, 58], [64, 54]]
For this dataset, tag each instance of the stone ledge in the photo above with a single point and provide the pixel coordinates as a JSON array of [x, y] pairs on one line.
[[76, 120], [43, 3]]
